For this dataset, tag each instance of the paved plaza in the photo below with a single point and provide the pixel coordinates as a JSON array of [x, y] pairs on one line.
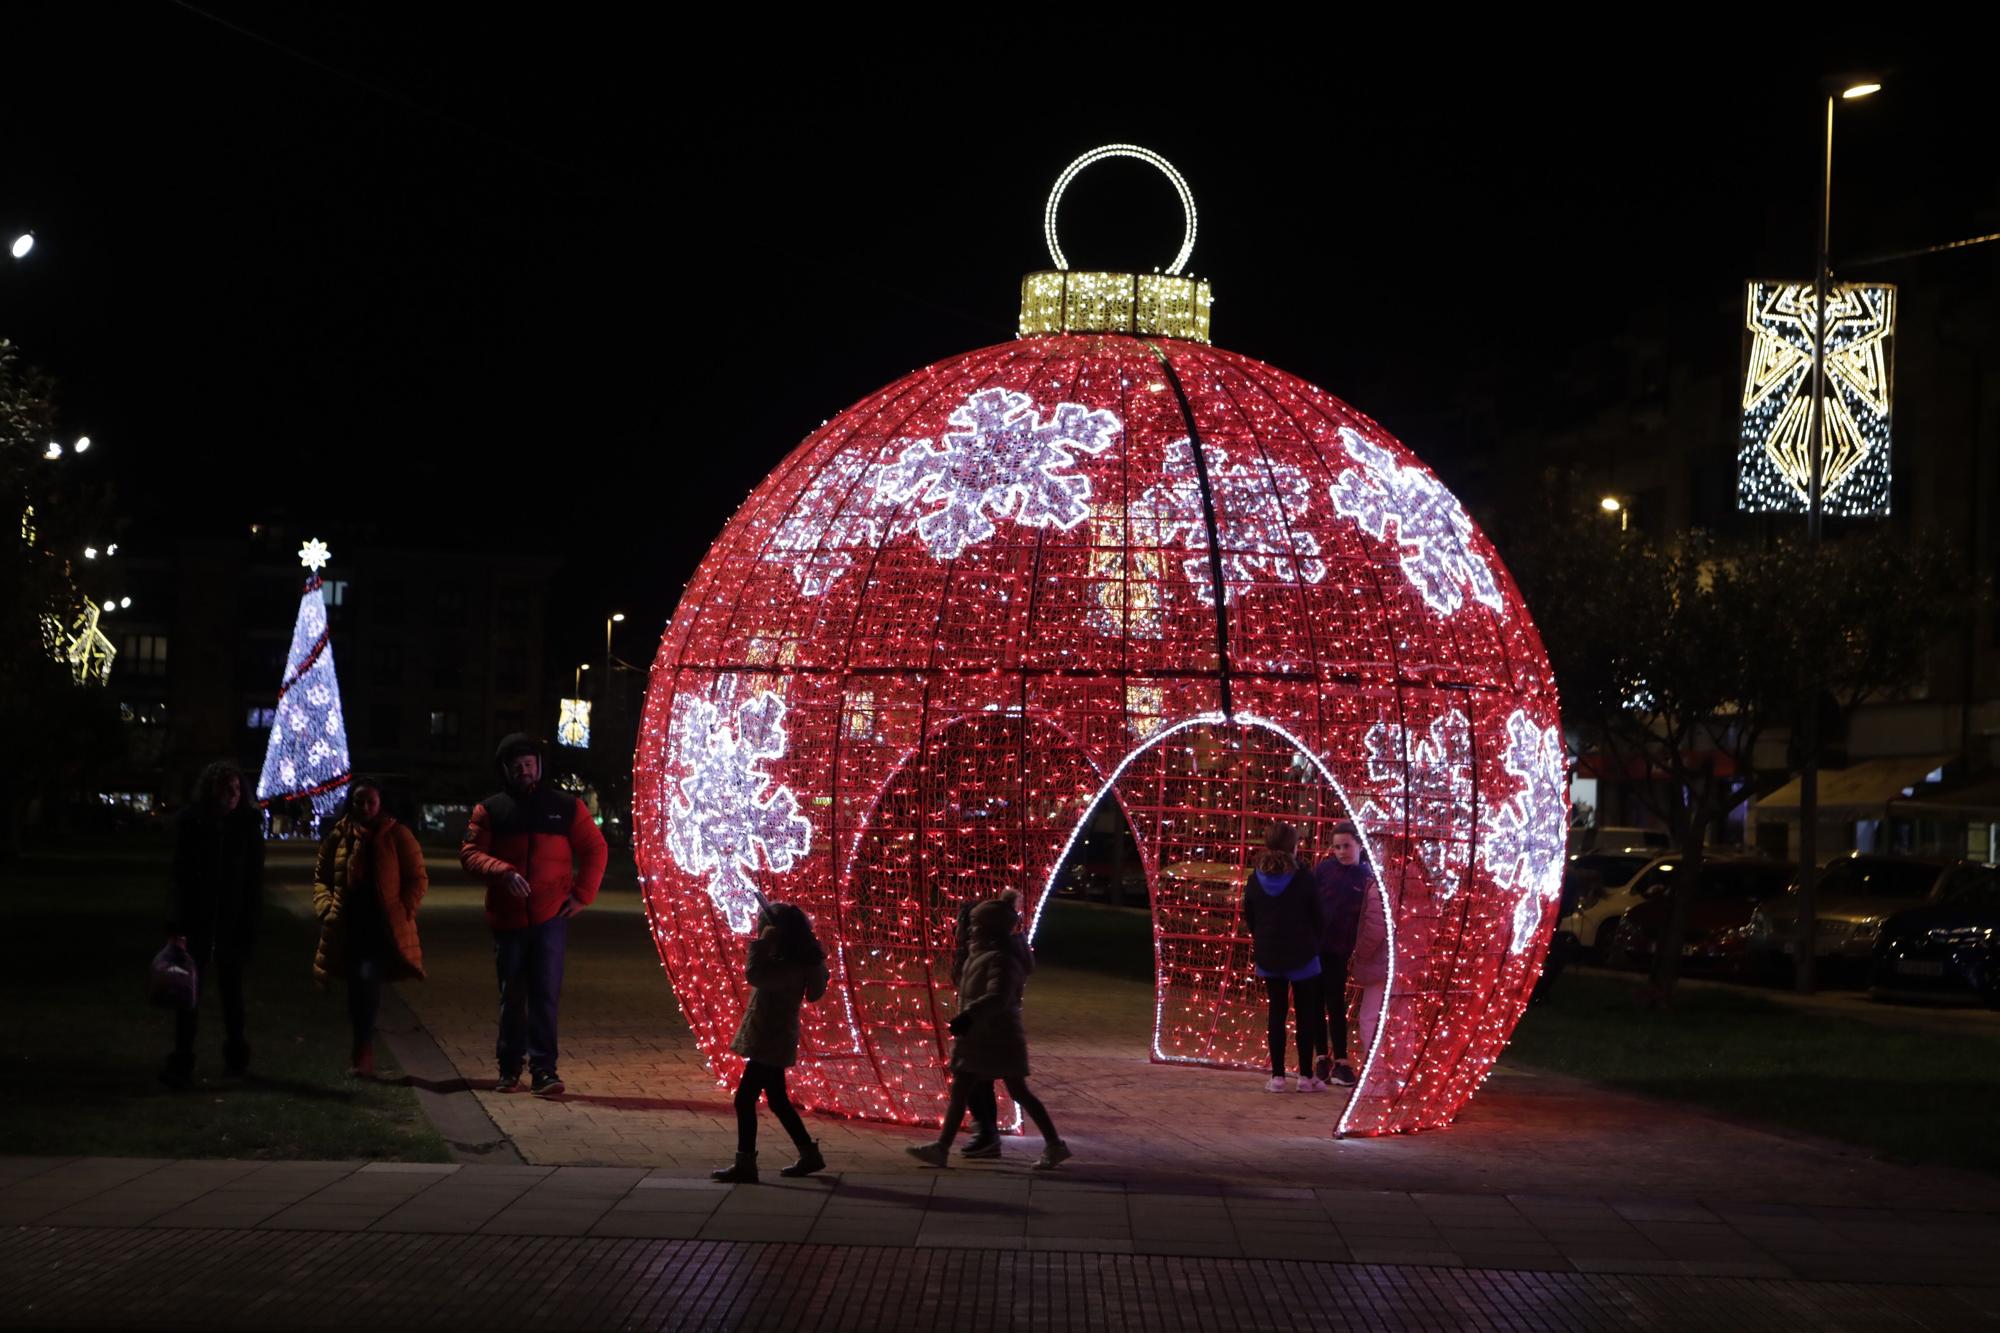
[[1196, 1200]]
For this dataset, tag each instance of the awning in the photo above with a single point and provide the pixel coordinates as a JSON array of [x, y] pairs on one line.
[[1978, 801], [1867, 787]]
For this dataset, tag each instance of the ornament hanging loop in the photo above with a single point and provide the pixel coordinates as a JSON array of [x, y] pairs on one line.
[[1096, 155]]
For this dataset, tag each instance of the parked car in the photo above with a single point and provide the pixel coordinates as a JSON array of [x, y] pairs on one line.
[[1598, 888], [1728, 890], [1857, 891], [1616, 837], [1947, 949]]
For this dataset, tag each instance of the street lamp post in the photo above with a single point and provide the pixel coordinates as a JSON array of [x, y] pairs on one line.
[[616, 617], [1837, 89]]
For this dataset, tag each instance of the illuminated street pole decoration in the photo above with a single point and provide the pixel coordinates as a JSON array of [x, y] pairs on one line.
[[306, 755], [85, 648], [1774, 459], [573, 724], [1106, 561]]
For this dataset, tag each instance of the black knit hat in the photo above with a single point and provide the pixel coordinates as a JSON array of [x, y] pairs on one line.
[[519, 742]]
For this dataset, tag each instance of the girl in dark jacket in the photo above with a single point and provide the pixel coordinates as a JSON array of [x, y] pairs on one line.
[[786, 968], [213, 901], [990, 1039], [1343, 891], [1281, 910]]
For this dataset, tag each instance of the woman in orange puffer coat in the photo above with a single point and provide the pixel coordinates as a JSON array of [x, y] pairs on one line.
[[367, 886]]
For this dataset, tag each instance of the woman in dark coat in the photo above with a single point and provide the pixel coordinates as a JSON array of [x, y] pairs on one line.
[[213, 901], [1343, 880], [1281, 910], [786, 968], [990, 1040]]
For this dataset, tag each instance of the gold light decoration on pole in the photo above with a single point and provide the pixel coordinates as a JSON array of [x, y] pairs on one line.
[[1774, 458]]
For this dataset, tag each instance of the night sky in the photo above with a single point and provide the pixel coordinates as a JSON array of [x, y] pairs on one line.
[[563, 284]]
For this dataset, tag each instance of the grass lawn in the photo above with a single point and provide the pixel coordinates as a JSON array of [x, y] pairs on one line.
[[1117, 941], [82, 1050], [1917, 1096]]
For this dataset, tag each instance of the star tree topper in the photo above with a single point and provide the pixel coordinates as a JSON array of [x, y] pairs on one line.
[[314, 554]]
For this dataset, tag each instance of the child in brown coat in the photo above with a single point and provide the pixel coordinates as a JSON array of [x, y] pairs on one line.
[[991, 1042], [786, 968]]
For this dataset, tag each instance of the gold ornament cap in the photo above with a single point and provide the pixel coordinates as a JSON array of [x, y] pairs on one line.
[[1164, 305]]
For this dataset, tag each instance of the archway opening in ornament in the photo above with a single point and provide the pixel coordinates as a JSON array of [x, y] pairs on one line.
[[1198, 798]]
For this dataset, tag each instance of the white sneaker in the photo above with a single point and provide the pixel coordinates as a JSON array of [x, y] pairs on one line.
[[1276, 1085], [1309, 1084]]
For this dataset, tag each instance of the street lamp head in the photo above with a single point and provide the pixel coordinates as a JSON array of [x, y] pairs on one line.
[[124, 601], [1861, 89], [1610, 504], [82, 444], [53, 451], [90, 553], [22, 244], [583, 666], [618, 617]]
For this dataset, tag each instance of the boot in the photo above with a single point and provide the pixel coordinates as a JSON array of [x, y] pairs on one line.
[[809, 1160], [361, 1064], [743, 1173]]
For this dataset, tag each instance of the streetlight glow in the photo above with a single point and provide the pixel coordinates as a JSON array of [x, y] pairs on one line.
[[1609, 504], [90, 553], [53, 451], [124, 601], [82, 444], [1861, 90], [22, 244], [618, 617]]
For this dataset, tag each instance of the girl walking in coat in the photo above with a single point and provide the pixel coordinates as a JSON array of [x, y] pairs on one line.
[[1343, 887], [367, 885], [213, 902], [990, 1039], [1281, 910], [786, 968]]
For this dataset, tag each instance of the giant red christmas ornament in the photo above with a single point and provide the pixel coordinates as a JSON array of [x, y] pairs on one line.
[[1107, 560]]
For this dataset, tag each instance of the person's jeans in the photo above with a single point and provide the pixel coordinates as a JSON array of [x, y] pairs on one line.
[[1303, 996], [769, 1080], [530, 964], [364, 994], [1333, 990], [219, 972]]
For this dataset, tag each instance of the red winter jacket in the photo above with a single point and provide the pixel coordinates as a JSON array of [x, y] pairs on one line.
[[535, 836]]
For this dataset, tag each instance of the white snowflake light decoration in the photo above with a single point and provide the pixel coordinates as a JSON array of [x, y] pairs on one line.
[[724, 806], [1431, 772], [1004, 461], [1522, 839], [1431, 527], [1255, 542], [818, 552], [314, 555]]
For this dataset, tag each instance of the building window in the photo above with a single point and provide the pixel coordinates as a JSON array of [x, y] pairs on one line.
[[144, 655], [444, 728], [260, 719], [333, 592]]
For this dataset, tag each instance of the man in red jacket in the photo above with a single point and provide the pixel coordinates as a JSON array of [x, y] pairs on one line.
[[521, 842]]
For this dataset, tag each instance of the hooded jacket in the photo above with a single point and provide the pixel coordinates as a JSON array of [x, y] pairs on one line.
[[1285, 927], [1342, 892], [769, 1032], [993, 1042], [544, 835], [216, 891]]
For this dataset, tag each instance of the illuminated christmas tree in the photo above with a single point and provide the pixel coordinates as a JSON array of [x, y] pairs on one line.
[[307, 753]]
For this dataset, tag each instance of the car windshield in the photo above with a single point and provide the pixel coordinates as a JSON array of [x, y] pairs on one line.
[[1612, 871], [1868, 878], [1744, 883], [1977, 888]]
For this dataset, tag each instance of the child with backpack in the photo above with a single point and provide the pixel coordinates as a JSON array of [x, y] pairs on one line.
[[786, 968]]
